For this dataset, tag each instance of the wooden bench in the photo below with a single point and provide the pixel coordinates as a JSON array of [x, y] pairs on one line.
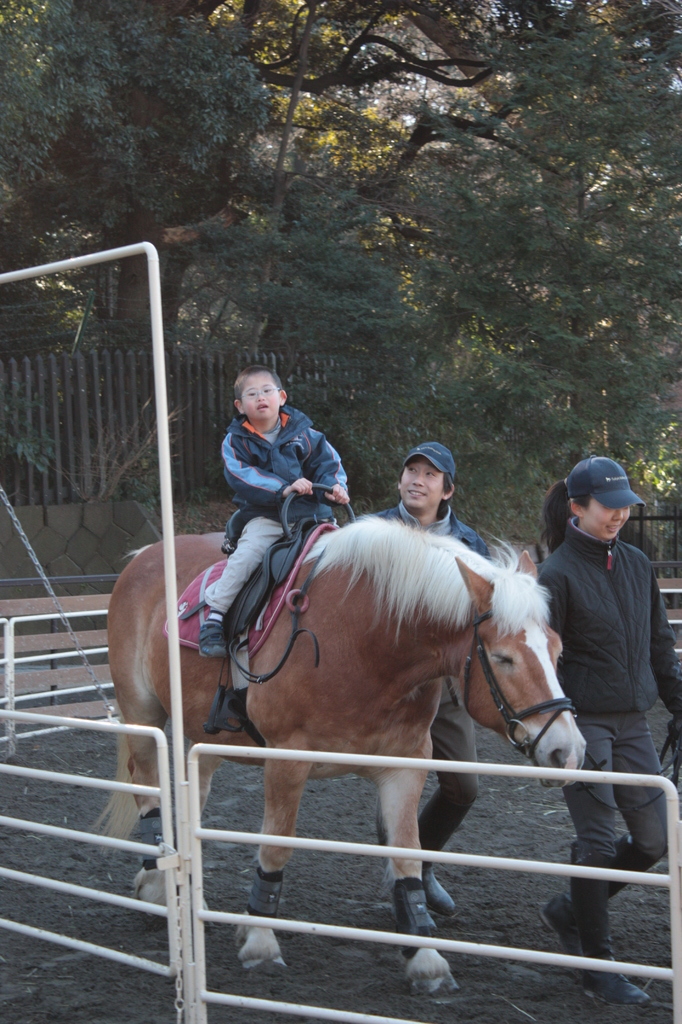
[[671, 586], [35, 638]]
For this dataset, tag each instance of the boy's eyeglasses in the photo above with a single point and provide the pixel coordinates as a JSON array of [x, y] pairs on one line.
[[268, 391]]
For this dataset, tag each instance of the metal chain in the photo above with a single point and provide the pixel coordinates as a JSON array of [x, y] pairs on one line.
[[179, 981], [110, 709]]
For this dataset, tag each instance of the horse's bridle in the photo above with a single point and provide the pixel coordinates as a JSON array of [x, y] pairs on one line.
[[511, 718]]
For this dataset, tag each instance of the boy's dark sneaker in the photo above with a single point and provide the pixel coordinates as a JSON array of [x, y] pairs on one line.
[[613, 988], [557, 914], [212, 640]]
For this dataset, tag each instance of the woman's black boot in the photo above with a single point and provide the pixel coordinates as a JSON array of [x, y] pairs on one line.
[[590, 899], [557, 913], [629, 857]]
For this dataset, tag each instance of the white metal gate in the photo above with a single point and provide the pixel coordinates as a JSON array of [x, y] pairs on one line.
[[181, 870], [670, 881], [166, 854]]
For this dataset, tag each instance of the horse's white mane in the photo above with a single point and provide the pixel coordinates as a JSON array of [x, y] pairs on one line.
[[414, 572]]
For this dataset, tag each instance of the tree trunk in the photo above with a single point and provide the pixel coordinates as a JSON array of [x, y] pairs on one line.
[[280, 177], [133, 282]]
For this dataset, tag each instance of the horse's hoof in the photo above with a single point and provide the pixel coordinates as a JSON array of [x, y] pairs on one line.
[[150, 886], [429, 974], [433, 986], [259, 946]]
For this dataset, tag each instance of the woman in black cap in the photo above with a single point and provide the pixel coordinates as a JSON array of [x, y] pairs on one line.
[[618, 657]]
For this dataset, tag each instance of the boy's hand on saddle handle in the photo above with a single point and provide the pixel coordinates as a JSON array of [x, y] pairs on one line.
[[338, 494], [300, 486]]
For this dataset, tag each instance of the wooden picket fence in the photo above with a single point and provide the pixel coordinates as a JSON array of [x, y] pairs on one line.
[[98, 410]]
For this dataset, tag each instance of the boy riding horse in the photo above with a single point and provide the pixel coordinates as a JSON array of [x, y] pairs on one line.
[[270, 451]]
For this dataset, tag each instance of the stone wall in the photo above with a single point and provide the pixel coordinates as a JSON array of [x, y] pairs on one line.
[[70, 540]]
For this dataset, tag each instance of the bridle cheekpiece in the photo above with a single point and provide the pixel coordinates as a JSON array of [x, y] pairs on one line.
[[512, 718]]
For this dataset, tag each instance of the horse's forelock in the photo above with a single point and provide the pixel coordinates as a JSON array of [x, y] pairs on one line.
[[518, 598], [415, 572]]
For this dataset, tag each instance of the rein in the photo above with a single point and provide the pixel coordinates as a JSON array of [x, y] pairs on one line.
[[512, 718], [297, 602]]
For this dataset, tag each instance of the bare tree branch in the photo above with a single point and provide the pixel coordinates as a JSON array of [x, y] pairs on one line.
[[184, 234]]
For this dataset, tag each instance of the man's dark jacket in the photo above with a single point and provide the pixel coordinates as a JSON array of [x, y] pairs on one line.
[[619, 650], [457, 530]]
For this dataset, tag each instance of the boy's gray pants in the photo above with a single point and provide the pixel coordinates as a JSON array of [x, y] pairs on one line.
[[256, 538]]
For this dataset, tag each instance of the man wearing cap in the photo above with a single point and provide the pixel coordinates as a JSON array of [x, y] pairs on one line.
[[426, 484], [618, 658]]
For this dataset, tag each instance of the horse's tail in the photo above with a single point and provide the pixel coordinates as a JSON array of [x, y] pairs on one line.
[[119, 817]]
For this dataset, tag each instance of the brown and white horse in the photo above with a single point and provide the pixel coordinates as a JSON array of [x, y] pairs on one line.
[[392, 609]]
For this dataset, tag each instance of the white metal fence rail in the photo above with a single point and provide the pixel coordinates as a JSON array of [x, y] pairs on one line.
[[671, 880], [167, 857], [9, 662]]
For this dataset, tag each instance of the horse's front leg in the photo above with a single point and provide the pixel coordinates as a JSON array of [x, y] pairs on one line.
[[284, 783], [399, 792]]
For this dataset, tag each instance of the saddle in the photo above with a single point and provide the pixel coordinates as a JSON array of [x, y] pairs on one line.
[[277, 564]]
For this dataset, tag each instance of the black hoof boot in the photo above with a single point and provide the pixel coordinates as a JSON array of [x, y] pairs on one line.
[[437, 899], [613, 988], [558, 915]]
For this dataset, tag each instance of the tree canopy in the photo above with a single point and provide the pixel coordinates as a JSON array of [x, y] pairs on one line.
[[471, 212]]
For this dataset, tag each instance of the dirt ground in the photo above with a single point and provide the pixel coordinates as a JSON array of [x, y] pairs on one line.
[[42, 983]]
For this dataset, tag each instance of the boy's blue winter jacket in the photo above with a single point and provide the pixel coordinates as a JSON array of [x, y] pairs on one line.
[[258, 471]]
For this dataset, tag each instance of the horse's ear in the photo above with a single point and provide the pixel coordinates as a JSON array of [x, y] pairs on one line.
[[527, 565], [480, 590]]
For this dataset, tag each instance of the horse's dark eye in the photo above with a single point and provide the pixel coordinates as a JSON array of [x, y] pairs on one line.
[[502, 659]]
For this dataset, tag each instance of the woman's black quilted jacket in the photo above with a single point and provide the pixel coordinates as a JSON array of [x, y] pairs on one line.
[[619, 650]]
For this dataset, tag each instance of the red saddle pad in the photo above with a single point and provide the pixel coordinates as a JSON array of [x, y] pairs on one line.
[[192, 598]]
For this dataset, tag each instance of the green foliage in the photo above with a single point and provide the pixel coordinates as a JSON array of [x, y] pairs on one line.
[[19, 438], [122, 122], [550, 290], [494, 266]]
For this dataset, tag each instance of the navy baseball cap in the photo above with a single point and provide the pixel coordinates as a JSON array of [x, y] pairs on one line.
[[437, 454], [604, 480]]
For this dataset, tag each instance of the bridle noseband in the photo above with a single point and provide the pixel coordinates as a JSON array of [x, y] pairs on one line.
[[511, 718]]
